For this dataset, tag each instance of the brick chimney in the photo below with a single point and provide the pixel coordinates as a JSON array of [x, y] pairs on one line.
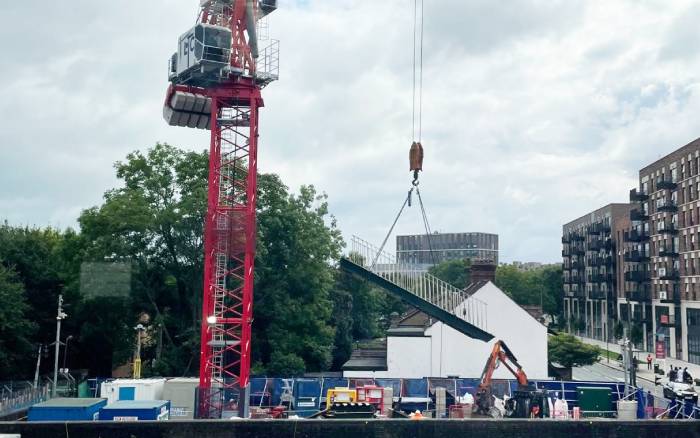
[[482, 270]]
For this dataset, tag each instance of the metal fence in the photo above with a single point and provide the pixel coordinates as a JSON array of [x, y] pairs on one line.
[[13, 399]]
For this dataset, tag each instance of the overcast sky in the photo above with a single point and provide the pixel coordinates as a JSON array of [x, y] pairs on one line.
[[535, 112]]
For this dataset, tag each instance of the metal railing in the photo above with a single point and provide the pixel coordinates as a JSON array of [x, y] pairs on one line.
[[268, 63], [413, 279], [13, 400]]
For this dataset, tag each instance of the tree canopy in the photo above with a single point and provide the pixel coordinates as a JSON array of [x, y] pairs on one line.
[[16, 329], [153, 223], [568, 351], [540, 285]]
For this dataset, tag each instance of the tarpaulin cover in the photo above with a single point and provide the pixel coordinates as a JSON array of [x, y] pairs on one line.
[[414, 388], [394, 384]]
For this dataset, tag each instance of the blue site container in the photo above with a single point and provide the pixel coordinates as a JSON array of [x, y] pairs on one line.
[[136, 410], [67, 409]]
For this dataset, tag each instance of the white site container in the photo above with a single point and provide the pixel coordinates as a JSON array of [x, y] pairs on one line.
[[181, 393], [627, 410], [132, 389]]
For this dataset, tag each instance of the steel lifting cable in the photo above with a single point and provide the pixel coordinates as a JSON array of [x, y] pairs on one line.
[[426, 224], [407, 201], [417, 70], [416, 153]]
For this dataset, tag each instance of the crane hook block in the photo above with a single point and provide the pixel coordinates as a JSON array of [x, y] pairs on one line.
[[415, 157]]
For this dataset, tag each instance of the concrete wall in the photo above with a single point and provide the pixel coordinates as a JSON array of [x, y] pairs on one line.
[[359, 428]]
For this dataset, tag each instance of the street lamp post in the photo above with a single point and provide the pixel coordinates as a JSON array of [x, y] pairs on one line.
[[60, 316], [137, 361]]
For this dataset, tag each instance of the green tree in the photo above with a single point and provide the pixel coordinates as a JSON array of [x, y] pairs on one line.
[[297, 247], [154, 222], [534, 287], [568, 351], [37, 258], [455, 272], [636, 335], [16, 329], [618, 330]]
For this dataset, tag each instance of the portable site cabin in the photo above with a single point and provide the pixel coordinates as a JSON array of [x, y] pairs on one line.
[[136, 410], [132, 389], [181, 392], [67, 409]]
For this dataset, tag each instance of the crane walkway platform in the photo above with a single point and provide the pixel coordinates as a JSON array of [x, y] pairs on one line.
[[429, 294]]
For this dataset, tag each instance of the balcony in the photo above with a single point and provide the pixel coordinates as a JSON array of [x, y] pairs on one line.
[[641, 319], [580, 294], [665, 184], [596, 245], [637, 276], [636, 257], [565, 239], [565, 253], [638, 215], [638, 196], [577, 237], [597, 294], [594, 278], [577, 265], [670, 274], [668, 252], [595, 262], [668, 206], [636, 236], [639, 296], [578, 251], [668, 228], [670, 297]]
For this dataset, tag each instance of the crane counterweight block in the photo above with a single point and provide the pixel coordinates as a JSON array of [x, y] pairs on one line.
[[187, 109]]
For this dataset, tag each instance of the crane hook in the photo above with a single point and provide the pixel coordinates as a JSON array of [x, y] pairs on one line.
[[415, 158]]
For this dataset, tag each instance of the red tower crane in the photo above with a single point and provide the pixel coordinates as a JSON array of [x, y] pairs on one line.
[[216, 77]]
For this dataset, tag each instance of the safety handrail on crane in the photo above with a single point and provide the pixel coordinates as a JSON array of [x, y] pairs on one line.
[[415, 280]]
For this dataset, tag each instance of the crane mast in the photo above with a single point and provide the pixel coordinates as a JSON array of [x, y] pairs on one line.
[[216, 81]]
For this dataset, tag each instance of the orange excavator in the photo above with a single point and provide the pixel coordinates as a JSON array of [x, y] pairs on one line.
[[526, 403]]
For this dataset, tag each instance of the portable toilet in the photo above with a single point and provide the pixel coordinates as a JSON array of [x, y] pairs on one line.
[[181, 393], [136, 410], [66, 409], [132, 389]]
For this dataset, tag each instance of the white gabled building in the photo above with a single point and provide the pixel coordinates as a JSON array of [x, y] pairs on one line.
[[419, 346]]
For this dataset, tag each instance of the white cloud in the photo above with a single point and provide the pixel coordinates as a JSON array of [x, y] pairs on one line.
[[535, 112]]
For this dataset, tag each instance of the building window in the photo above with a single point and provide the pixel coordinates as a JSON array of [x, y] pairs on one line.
[[693, 326]]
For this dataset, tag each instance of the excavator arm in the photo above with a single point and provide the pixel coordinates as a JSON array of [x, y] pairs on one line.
[[500, 354]]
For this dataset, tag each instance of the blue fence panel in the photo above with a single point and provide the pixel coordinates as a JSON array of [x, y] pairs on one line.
[[278, 386], [415, 388], [260, 391], [394, 384]]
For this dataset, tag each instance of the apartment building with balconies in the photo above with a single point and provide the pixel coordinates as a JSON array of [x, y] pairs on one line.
[[662, 254], [591, 275]]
